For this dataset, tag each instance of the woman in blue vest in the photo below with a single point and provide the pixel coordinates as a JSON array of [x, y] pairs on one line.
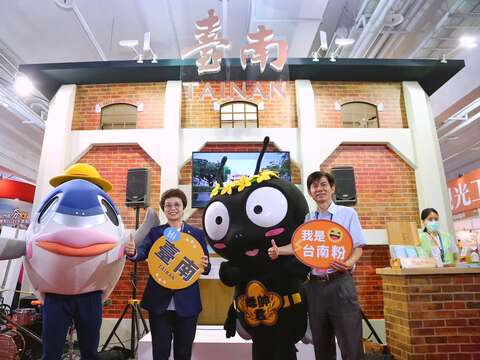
[[435, 243], [172, 313]]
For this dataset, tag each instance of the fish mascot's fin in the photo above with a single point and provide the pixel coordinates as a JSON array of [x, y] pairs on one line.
[[150, 221]]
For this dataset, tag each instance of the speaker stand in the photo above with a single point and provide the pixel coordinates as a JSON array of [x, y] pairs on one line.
[[133, 305]]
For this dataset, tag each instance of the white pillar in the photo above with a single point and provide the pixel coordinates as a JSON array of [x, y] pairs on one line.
[[307, 123], [171, 144], [55, 149], [429, 172]]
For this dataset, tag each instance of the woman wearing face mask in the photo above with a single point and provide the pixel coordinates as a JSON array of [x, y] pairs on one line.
[[435, 243]]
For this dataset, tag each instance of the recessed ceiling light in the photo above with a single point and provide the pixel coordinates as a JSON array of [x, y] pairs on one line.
[[23, 86], [344, 41], [128, 43], [468, 42]]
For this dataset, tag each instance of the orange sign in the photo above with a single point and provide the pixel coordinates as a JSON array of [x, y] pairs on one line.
[[175, 263], [259, 305], [464, 192], [318, 243]]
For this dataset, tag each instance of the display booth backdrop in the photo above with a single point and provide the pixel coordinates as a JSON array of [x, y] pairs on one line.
[[303, 118]]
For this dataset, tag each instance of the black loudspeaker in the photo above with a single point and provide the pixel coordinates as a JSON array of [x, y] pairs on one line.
[[138, 188], [345, 191]]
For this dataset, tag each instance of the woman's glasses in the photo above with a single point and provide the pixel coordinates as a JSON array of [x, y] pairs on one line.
[[173, 205]]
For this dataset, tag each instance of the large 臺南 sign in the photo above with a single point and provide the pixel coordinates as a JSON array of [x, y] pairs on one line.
[[210, 44]]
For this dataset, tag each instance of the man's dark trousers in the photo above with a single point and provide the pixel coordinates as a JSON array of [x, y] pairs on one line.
[[333, 311]]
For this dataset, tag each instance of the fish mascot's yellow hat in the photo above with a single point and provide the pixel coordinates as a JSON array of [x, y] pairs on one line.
[[82, 171]]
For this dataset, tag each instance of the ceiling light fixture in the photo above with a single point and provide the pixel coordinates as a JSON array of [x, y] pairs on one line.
[[323, 45], [23, 86], [148, 48], [132, 44], [468, 42], [344, 41], [340, 42]]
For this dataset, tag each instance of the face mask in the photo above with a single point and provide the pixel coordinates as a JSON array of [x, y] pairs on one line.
[[433, 226]]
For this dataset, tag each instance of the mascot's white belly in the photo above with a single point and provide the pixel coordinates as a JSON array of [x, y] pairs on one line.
[[75, 243]]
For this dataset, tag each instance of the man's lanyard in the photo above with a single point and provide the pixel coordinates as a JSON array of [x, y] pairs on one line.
[[442, 251]]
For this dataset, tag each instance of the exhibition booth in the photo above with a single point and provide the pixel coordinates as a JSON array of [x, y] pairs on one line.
[[367, 120]]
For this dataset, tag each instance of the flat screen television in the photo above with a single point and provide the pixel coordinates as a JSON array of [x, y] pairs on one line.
[[205, 166]]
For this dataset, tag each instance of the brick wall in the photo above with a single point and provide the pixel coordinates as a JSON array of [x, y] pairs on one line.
[[390, 94], [386, 189], [186, 170], [433, 316], [368, 283], [150, 94], [277, 112], [113, 163]]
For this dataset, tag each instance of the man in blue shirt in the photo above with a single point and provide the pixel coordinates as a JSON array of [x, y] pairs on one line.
[[332, 299]]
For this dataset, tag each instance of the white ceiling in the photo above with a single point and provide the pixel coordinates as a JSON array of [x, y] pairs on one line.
[[20, 146], [50, 33], [461, 149], [45, 31]]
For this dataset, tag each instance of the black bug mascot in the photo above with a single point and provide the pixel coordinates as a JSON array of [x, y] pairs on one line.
[[240, 222]]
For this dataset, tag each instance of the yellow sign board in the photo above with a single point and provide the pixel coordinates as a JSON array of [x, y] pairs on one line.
[[175, 263]]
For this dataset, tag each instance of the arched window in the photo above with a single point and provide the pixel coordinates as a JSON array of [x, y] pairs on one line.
[[118, 116], [239, 114], [359, 115]]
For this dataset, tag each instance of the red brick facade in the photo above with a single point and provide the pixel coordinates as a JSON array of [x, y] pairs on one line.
[[151, 95], [433, 316], [389, 94], [278, 112], [368, 283], [113, 163], [386, 189]]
